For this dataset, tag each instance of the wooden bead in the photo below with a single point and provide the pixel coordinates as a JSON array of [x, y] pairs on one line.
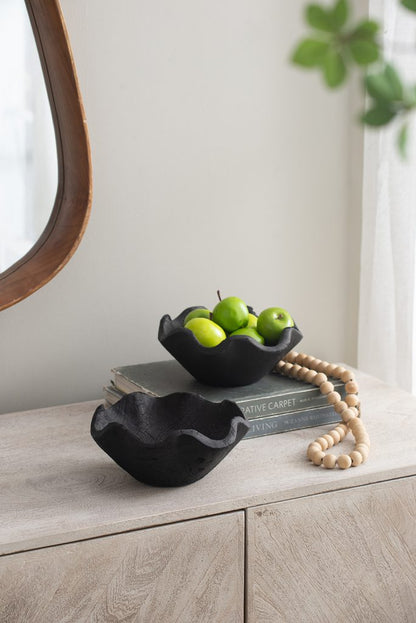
[[308, 361], [329, 369], [317, 457], [341, 430], [352, 400], [321, 367], [338, 370], [320, 378], [329, 440], [347, 415], [329, 461], [344, 461], [287, 368], [302, 373], [300, 359], [362, 438], [312, 448], [279, 365], [354, 411], [347, 376], [351, 387], [340, 406], [363, 450], [291, 356], [356, 425], [335, 435], [322, 442], [333, 398], [326, 388], [295, 370], [309, 377], [356, 458]]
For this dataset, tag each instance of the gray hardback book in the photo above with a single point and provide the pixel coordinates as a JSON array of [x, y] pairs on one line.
[[272, 395], [296, 420], [270, 425]]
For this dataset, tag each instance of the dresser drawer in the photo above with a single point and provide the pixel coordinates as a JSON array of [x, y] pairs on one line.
[[189, 572], [344, 556]]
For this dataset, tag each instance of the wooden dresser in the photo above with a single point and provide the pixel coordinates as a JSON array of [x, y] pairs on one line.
[[265, 537]]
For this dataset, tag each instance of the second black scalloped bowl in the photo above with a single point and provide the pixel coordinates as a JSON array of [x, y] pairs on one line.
[[236, 361], [168, 441]]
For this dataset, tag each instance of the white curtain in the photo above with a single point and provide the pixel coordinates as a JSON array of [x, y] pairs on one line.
[[387, 322]]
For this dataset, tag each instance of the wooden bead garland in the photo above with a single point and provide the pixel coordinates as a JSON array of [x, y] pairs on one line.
[[311, 370]]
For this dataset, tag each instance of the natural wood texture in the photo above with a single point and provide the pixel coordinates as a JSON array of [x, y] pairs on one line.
[[343, 556], [70, 212], [56, 485], [186, 573]]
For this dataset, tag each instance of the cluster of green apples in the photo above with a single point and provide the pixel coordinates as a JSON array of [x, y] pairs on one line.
[[231, 317]]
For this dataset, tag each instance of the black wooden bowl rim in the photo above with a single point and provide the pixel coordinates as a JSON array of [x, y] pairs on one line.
[[169, 327], [228, 440]]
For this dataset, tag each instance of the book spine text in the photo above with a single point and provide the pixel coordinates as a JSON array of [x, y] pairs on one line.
[[284, 422], [273, 405]]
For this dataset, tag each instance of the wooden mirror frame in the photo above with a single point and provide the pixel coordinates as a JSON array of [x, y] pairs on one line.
[[71, 209]]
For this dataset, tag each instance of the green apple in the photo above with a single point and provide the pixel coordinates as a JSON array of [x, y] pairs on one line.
[[252, 321], [271, 323], [231, 314], [250, 332], [206, 332], [199, 312]]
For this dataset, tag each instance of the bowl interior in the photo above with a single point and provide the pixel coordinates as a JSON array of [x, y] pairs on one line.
[[152, 419], [236, 361]]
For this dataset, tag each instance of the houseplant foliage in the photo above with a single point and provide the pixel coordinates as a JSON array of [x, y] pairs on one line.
[[337, 44]]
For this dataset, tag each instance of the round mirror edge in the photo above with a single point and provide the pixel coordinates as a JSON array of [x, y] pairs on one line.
[[70, 213]]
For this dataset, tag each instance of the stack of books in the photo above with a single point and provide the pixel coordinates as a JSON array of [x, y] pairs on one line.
[[274, 404]]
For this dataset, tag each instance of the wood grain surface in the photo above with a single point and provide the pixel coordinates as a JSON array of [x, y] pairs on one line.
[[188, 572], [344, 556], [57, 485]]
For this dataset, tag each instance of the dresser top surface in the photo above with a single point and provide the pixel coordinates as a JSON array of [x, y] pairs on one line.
[[58, 486]]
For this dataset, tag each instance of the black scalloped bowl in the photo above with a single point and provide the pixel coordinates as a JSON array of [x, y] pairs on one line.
[[236, 361], [168, 441]]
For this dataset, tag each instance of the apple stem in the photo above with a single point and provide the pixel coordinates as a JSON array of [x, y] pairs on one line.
[[280, 317], [219, 295]]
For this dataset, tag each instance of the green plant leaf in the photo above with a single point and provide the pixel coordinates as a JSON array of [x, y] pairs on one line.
[[385, 85], [335, 70], [402, 138], [409, 4], [394, 81], [366, 30], [320, 18], [380, 114], [340, 14], [310, 52], [410, 96], [364, 52]]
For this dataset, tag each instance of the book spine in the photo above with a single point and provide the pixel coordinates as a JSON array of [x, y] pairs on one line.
[[285, 422], [288, 403], [112, 395], [126, 386]]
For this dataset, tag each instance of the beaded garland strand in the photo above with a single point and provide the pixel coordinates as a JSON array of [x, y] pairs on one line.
[[311, 370]]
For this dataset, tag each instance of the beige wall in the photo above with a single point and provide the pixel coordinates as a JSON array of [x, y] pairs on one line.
[[216, 165]]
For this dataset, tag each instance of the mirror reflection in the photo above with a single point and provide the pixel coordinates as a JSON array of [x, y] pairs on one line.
[[28, 161]]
